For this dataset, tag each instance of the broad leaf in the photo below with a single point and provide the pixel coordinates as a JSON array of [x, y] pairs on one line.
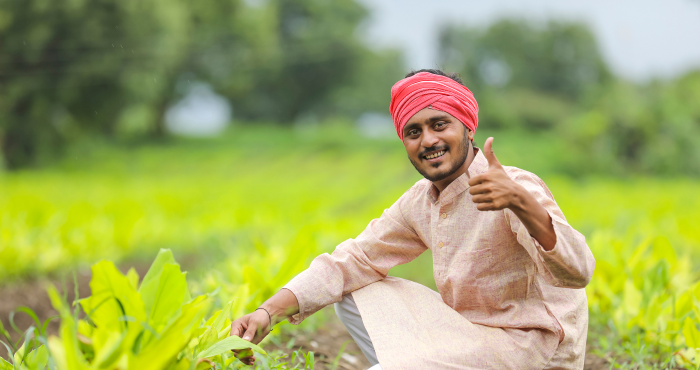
[[38, 358], [228, 344], [691, 333], [114, 305], [211, 335], [632, 298], [168, 298], [133, 277], [174, 338], [110, 350], [4, 365], [149, 285]]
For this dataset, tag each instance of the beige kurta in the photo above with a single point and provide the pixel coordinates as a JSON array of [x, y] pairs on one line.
[[503, 302]]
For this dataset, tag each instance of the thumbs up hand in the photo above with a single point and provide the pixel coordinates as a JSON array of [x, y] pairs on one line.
[[494, 190]]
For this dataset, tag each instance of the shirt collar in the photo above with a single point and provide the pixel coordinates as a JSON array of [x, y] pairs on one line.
[[478, 166]]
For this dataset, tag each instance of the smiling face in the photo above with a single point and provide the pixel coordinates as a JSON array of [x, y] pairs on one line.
[[438, 145]]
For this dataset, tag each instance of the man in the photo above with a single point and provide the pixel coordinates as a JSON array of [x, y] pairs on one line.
[[508, 267]]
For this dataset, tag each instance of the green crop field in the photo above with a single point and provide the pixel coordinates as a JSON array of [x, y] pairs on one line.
[[250, 209]]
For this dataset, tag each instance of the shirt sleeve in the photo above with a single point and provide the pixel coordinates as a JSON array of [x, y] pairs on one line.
[[386, 242], [570, 263]]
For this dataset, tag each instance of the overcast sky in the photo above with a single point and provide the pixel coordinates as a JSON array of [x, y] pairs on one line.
[[640, 39]]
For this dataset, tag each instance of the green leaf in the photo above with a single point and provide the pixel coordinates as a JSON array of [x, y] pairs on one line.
[[632, 298], [168, 297], [691, 333], [228, 344], [38, 358], [149, 285], [4, 365], [114, 305], [174, 338], [3, 331], [65, 351], [653, 311], [684, 304], [133, 277], [109, 351], [211, 335]]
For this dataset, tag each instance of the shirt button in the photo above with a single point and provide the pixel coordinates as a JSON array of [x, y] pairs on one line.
[[440, 245], [444, 215]]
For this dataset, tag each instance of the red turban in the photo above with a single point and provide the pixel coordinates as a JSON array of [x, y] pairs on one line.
[[424, 89]]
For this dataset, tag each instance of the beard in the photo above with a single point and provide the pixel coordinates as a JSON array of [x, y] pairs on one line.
[[461, 154]]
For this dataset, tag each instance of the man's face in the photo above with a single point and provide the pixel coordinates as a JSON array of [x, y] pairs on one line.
[[437, 144]]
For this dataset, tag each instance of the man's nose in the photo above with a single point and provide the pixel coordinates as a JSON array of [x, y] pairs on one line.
[[429, 139]]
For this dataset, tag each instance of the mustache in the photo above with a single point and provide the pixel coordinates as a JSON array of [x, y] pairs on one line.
[[434, 149]]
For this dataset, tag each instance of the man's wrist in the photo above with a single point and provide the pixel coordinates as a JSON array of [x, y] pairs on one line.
[[519, 200], [276, 313], [282, 305]]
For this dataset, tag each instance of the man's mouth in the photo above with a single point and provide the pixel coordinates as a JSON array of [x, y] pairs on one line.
[[435, 155]]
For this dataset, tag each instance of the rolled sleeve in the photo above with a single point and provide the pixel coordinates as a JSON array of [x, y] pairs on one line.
[[570, 263], [386, 242]]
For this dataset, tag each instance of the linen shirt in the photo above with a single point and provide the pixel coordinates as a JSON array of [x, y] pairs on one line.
[[502, 302]]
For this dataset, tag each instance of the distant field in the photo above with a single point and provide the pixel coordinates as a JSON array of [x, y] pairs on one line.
[[128, 200], [240, 207]]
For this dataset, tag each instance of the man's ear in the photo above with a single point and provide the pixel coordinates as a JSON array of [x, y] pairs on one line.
[[470, 134]]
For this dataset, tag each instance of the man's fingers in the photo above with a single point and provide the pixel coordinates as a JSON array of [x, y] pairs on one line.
[[486, 206], [250, 332], [479, 189], [489, 154], [482, 198], [476, 180], [237, 328]]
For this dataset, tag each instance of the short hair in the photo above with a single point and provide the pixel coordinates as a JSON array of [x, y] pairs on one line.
[[451, 75]]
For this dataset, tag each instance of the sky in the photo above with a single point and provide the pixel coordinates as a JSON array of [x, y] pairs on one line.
[[640, 39]]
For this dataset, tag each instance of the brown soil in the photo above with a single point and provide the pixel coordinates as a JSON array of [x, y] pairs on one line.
[[325, 343]]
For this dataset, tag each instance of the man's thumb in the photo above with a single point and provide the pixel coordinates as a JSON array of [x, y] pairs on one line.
[[489, 154]]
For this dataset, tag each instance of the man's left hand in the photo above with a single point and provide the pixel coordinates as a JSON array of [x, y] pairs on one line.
[[494, 190]]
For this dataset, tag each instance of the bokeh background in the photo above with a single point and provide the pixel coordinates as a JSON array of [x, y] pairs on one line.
[[249, 136]]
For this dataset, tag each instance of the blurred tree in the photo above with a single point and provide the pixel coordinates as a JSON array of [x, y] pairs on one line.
[[71, 67], [525, 74], [291, 56], [558, 58], [106, 67]]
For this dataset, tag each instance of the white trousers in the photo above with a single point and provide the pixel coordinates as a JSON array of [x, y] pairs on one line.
[[349, 315]]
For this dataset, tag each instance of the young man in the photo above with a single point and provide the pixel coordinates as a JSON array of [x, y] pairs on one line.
[[508, 267]]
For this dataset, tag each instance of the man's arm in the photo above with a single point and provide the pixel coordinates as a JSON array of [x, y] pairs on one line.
[[386, 242], [495, 190], [561, 254]]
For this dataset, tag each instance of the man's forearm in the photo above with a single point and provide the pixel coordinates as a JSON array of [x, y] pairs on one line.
[[281, 305], [536, 219]]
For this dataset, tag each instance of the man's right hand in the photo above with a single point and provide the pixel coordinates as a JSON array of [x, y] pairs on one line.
[[252, 327], [255, 326]]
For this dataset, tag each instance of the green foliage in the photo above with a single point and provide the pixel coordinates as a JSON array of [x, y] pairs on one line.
[[553, 78], [154, 326], [111, 68], [558, 59], [213, 204], [74, 67]]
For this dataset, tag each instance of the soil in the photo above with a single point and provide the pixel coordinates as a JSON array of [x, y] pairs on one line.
[[325, 343]]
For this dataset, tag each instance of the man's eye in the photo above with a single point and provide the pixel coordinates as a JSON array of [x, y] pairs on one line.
[[440, 123], [413, 132]]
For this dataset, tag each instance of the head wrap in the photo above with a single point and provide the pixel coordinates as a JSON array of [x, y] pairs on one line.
[[410, 95]]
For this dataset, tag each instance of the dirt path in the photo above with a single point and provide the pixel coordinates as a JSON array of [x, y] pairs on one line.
[[325, 343]]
